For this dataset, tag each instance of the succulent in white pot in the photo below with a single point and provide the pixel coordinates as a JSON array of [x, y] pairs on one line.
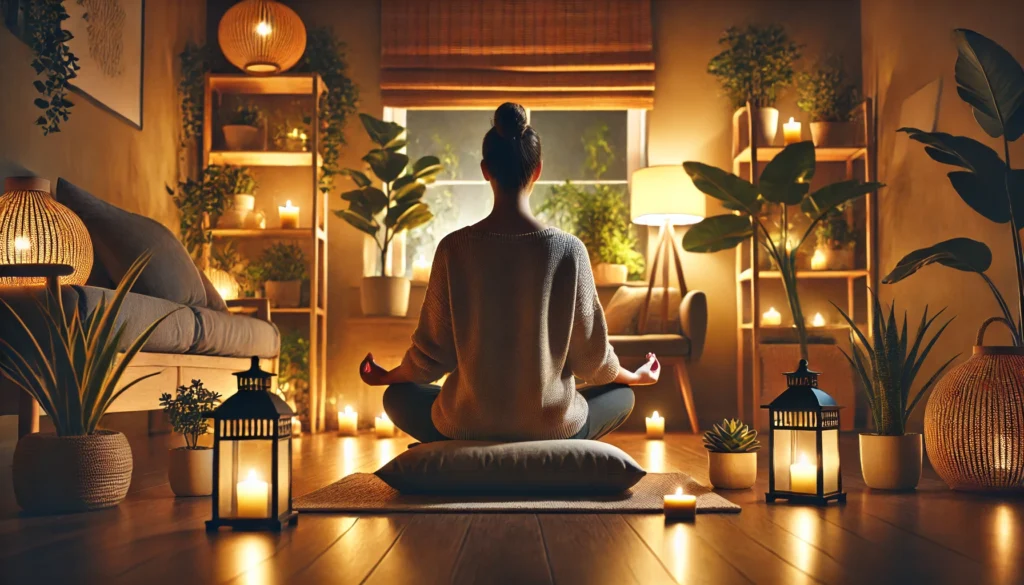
[[732, 454], [242, 128], [190, 468]]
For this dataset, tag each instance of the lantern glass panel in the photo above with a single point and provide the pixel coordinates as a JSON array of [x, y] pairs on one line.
[[245, 467], [284, 480], [830, 459], [795, 454]]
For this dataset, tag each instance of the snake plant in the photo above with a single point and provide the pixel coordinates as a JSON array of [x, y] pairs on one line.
[[731, 436]]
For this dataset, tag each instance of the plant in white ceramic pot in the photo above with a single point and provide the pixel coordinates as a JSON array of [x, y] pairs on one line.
[[732, 455], [242, 128], [190, 468], [887, 366], [282, 269], [384, 213], [829, 97]]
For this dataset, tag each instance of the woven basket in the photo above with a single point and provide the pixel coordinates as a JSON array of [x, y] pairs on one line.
[[974, 422], [70, 474]]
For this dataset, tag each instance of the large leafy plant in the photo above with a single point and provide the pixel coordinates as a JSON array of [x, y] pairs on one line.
[[826, 93], [188, 411], [73, 367], [784, 182], [385, 213], [889, 364], [991, 81], [755, 65]]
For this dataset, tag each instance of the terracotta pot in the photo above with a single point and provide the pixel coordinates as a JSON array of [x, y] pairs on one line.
[[284, 293], [767, 125], [384, 296], [890, 462], [833, 134], [190, 471], [238, 137], [71, 474], [605, 273], [974, 423], [732, 471]]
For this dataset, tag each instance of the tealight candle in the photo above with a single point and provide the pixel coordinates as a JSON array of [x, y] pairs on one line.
[[803, 477], [818, 320], [680, 506], [420, 269], [655, 426], [348, 422], [383, 426], [289, 215], [791, 132], [819, 261], [253, 497], [296, 426], [771, 317]]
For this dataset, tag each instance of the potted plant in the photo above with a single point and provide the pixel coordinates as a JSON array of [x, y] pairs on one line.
[[238, 184], [383, 214], [836, 240], [756, 64], [732, 455], [73, 367], [830, 98], [282, 269], [887, 365], [242, 128], [190, 468]]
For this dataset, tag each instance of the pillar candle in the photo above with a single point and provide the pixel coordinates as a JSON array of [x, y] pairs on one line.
[[420, 269], [803, 477], [383, 426], [289, 215], [818, 320], [791, 132], [296, 426], [680, 506], [655, 426], [771, 317], [348, 421], [819, 261], [253, 497]]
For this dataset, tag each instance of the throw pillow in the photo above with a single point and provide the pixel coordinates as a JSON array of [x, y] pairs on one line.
[[119, 237], [623, 312], [541, 467]]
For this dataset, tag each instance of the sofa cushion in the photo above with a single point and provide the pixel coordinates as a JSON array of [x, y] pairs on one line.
[[119, 237], [662, 344], [623, 311], [176, 334], [227, 334], [542, 467]]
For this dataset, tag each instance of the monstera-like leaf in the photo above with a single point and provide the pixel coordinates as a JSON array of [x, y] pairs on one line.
[[786, 178], [734, 192], [719, 232], [381, 133], [385, 164], [960, 253], [992, 82]]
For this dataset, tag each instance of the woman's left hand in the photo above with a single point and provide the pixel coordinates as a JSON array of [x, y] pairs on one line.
[[371, 373]]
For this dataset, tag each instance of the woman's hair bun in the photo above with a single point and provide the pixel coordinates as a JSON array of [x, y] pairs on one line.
[[510, 120]]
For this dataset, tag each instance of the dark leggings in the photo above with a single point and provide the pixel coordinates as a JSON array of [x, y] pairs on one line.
[[408, 405]]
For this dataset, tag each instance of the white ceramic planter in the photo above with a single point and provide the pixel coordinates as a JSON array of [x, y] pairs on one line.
[[241, 208], [286, 293], [732, 471], [768, 125], [238, 137], [605, 273], [891, 462], [832, 134], [190, 471], [384, 296]]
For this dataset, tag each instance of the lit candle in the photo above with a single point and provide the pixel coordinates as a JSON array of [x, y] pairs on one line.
[[383, 426], [420, 269], [818, 320], [348, 421], [791, 132], [253, 497], [655, 426], [803, 477], [819, 261], [680, 506], [289, 215], [771, 317], [296, 426]]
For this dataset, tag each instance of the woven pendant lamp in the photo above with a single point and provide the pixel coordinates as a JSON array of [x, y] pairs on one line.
[[262, 37], [35, 229]]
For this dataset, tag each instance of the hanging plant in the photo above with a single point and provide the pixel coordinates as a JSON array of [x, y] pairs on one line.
[[195, 64], [54, 62]]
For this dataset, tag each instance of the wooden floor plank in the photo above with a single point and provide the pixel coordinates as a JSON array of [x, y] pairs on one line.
[[510, 541], [354, 556], [689, 560], [426, 552]]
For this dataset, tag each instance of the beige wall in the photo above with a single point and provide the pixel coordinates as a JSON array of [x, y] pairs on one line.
[[95, 149], [907, 45]]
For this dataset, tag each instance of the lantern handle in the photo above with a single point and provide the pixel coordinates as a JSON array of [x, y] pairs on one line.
[[981, 331]]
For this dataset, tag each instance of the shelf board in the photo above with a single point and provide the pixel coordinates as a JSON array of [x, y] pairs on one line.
[[294, 84], [746, 275], [292, 311], [810, 330], [262, 158], [269, 234], [767, 153]]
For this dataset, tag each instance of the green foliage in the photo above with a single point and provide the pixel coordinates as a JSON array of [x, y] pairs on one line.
[[399, 207], [244, 115], [188, 411], [210, 196], [195, 63], [293, 369], [888, 367], [226, 257], [731, 436], [279, 262], [53, 61], [755, 65], [73, 368], [827, 94], [991, 81], [783, 183], [835, 231]]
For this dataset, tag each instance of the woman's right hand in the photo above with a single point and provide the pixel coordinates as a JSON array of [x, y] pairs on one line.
[[371, 373], [649, 372]]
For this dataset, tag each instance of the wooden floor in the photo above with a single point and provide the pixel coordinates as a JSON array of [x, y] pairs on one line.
[[932, 536]]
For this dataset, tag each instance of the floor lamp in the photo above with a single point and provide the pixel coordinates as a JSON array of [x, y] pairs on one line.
[[664, 196]]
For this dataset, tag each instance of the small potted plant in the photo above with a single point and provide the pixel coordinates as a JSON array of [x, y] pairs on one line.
[[732, 455], [242, 128], [190, 468], [755, 66], [836, 240], [830, 98], [239, 184], [384, 214], [887, 365], [282, 269]]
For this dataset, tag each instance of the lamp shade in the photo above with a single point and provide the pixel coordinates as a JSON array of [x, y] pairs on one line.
[[35, 229], [225, 284], [262, 37], [665, 194]]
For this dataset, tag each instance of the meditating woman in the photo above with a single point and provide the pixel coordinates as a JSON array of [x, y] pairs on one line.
[[511, 314]]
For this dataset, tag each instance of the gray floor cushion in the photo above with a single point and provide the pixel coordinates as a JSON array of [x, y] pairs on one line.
[[541, 467], [175, 335], [227, 334]]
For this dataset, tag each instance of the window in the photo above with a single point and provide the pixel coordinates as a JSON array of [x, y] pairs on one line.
[[588, 148]]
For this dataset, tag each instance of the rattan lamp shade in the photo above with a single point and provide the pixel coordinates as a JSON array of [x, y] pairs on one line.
[[223, 282], [262, 37], [35, 229]]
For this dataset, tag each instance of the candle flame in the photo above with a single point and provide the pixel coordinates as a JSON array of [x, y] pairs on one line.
[[791, 120], [263, 29], [679, 491], [655, 415], [251, 476], [348, 409], [818, 320], [383, 417]]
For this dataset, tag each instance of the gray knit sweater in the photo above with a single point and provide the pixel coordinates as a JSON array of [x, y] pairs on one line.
[[512, 318]]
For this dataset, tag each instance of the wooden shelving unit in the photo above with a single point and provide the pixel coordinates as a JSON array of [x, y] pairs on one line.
[[300, 85], [856, 159]]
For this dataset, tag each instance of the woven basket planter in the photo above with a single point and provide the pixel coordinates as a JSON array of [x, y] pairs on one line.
[[71, 474], [974, 422]]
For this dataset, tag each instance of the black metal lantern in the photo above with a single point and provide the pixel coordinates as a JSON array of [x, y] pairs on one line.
[[803, 442], [252, 457]]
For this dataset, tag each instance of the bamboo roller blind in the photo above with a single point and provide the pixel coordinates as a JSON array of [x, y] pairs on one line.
[[579, 54]]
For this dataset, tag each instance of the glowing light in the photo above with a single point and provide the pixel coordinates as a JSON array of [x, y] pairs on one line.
[[22, 244], [818, 320], [655, 452], [263, 29]]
